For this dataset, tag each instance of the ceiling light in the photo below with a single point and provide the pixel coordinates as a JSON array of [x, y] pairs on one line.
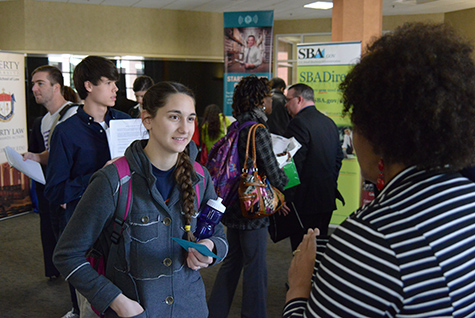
[[321, 5]]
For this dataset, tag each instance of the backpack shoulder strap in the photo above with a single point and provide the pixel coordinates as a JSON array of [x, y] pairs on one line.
[[245, 124], [62, 112], [125, 198], [201, 172], [65, 110], [121, 212]]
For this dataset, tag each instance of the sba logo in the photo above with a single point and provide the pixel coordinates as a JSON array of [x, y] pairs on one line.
[[311, 53]]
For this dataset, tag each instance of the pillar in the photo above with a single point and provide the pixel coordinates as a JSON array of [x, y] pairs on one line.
[[357, 20]]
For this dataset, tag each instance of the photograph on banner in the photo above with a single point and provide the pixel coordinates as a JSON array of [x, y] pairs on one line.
[[14, 185], [248, 37], [247, 50], [346, 141], [349, 181]]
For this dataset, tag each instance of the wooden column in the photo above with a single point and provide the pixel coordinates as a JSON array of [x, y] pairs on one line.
[[357, 20]]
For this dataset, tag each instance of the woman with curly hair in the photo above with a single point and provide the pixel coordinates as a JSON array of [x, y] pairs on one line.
[[152, 276], [411, 251], [247, 238], [214, 125]]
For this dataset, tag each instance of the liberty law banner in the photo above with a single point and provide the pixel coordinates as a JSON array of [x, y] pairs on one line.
[[247, 49], [323, 66], [14, 185]]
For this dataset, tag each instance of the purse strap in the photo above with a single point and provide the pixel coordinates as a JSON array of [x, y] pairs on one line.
[[252, 134]]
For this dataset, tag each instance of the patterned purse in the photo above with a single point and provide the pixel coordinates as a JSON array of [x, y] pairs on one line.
[[258, 198]]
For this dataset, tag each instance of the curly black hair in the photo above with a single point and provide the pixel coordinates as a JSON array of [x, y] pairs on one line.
[[412, 96], [249, 93]]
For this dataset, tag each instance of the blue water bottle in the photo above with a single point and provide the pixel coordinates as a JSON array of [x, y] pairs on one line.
[[208, 218]]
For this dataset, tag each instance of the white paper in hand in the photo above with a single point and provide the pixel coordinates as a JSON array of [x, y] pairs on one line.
[[281, 144], [29, 167], [123, 132]]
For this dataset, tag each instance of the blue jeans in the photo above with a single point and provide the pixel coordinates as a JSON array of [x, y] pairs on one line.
[[247, 252]]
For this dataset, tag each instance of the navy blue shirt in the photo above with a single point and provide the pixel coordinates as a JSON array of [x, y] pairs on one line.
[[79, 148], [165, 181]]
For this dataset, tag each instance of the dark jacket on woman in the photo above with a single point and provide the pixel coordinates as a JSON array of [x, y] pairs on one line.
[[266, 163]]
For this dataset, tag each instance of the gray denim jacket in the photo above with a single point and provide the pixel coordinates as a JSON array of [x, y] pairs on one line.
[[150, 267]]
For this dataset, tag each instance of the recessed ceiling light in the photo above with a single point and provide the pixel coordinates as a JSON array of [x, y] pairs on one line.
[[321, 5]]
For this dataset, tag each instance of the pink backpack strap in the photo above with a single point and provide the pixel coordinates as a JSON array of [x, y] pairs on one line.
[[125, 199], [199, 170]]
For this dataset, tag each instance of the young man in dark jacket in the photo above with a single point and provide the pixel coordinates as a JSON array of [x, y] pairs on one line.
[[79, 145]]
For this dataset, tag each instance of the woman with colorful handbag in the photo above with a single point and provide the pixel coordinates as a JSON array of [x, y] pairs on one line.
[[247, 238]]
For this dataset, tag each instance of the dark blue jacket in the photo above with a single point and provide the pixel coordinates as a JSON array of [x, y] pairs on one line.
[[79, 148]]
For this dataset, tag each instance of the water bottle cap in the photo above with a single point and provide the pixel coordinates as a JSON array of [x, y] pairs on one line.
[[216, 204]]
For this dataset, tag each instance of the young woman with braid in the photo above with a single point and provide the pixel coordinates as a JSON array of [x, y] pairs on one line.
[[159, 278]]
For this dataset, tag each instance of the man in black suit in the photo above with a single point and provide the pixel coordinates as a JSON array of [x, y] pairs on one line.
[[318, 162]]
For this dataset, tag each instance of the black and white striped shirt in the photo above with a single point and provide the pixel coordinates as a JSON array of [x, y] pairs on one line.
[[409, 253]]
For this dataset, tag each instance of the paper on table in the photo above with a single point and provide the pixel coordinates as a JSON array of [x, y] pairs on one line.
[[29, 167], [281, 144], [123, 132], [203, 249]]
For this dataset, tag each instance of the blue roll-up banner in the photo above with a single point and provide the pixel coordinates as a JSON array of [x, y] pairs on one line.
[[247, 49]]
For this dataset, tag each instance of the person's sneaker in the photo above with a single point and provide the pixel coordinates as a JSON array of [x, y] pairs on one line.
[[71, 314]]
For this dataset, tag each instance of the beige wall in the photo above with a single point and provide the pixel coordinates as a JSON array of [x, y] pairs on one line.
[[12, 24], [390, 22], [302, 26], [464, 21], [52, 27], [49, 27], [324, 25]]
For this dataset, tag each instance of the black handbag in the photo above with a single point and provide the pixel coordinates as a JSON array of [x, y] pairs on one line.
[[282, 227]]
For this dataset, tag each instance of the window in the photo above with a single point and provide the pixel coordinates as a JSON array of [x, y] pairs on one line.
[[129, 68], [285, 50]]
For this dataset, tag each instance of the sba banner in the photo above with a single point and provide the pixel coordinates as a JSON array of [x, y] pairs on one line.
[[14, 185], [247, 49], [323, 66]]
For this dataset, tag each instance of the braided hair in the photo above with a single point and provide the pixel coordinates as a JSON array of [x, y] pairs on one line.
[[183, 178], [155, 98]]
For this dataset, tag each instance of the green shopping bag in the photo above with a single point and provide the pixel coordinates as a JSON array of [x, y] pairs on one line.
[[291, 171]]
